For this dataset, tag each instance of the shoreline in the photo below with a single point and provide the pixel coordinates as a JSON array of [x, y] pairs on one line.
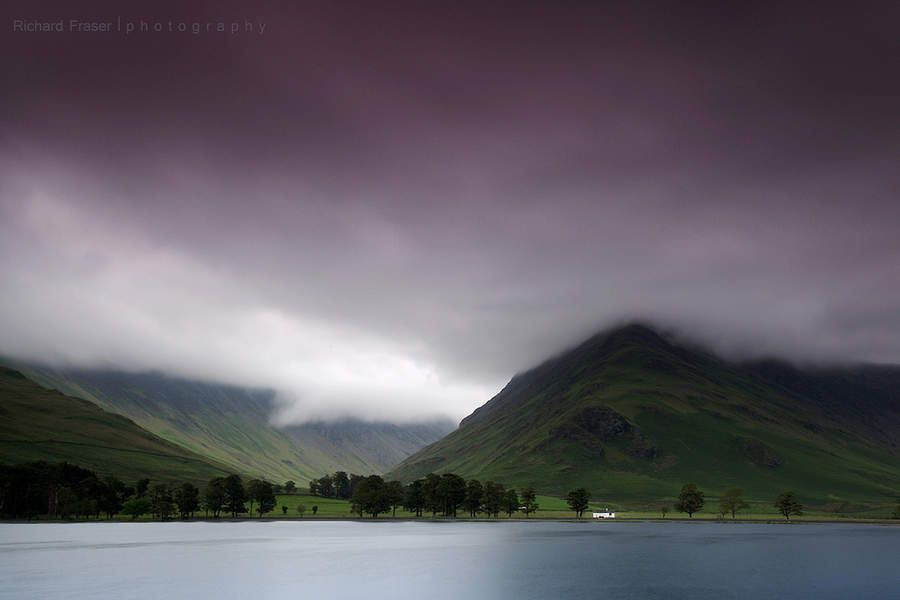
[[816, 521]]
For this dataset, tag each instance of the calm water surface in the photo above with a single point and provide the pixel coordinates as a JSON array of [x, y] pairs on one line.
[[448, 560]]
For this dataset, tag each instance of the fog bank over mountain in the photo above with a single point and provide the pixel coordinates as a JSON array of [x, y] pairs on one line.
[[386, 217]]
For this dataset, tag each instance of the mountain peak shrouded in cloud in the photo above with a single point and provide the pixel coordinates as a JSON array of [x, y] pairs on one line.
[[382, 213]]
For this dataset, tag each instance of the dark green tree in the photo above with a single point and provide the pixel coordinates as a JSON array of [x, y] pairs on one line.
[[370, 497], [326, 486], [135, 507], [235, 495], [414, 497], [690, 500], [474, 493], [315, 509], [788, 505], [510, 502], [529, 501], [314, 487], [290, 487], [395, 495], [451, 493], [66, 501], [732, 501], [187, 499], [492, 498], [355, 480], [253, 490], [262, 493], [110, 494], [284, 509], [432, 494], [342, 485], [90, 492], [578, 500], [161, 502], [214, 496], [664, 511]]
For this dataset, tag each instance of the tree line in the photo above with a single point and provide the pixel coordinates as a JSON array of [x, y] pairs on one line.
[[64, 490], [691, 500], [447, 494]]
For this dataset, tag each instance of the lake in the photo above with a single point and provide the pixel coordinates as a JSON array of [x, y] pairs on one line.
[[345, 559]]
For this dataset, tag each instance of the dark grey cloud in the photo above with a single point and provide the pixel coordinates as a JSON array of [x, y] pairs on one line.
[[388, 211]]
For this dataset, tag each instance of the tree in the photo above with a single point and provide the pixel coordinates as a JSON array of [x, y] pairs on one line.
[[432, 493], [370, 497], [161, 502], [451, 493], [788, 504], [492, 498], [262, 493], [214, 496], [290, 487], [135, 507], [142, 486], [187, 498], [109, 496], [315, 509], [342, 485], [474, 493], [314, 487], [395, 494], [235, 495], [578, 500], [355, 480], [66, 501], [414, 497], [665, 511], [301, 508], [529, 501], [690, 500], [254, 490], [284, 509], [510, 502], [326, 487], [732, 501]]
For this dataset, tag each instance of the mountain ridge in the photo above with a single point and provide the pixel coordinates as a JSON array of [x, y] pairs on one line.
[[232, 425], [632, 413], [40, 424]]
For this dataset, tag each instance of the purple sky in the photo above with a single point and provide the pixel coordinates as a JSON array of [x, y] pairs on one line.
[[388, 211]]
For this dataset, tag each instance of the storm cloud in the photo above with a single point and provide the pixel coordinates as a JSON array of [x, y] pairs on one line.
[[387, 212]]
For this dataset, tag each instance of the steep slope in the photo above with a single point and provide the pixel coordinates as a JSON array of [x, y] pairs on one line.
[[232, 424], [631, 415], [369, 447], [41, 424]]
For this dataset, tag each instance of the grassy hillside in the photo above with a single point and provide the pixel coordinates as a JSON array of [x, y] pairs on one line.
[[232, 425], [41, 424], [367, 448], [632, 416]]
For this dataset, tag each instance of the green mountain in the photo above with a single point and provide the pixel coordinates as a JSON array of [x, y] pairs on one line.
[[232, 425], [41, 424], [363, 447], [632, 415]]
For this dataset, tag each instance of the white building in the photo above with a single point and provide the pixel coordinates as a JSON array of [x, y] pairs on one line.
[[606, 514]]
